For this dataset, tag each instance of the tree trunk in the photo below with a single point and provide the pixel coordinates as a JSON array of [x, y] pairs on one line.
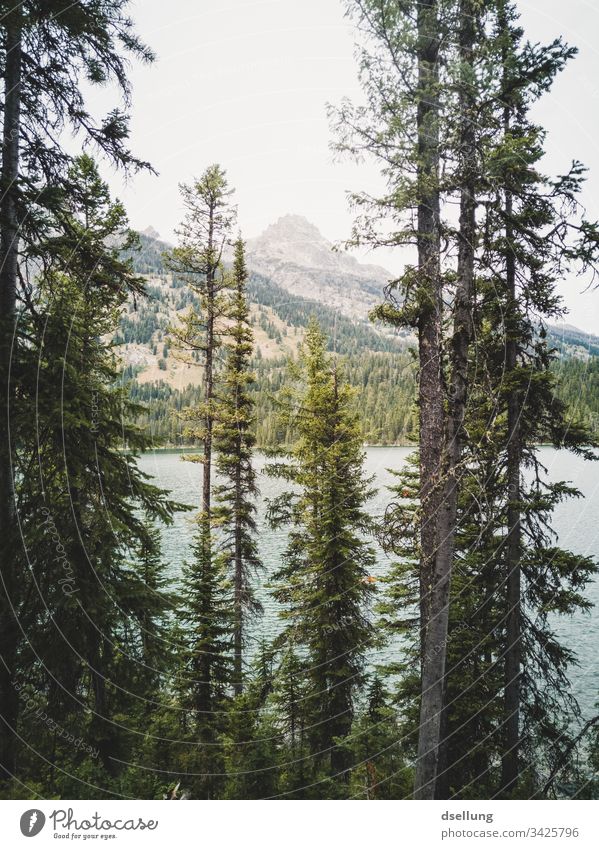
[[209, 390], [9, 252], [430, 389], [513, 654], [209, 369], [238, 601], [458, 390]]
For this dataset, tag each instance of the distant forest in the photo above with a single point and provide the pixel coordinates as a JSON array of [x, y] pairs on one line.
[[382, 369], [385, 386]]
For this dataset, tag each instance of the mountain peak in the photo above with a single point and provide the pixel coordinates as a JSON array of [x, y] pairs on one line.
[[151, 232], [295, 255], [292, 238], [295, 226]]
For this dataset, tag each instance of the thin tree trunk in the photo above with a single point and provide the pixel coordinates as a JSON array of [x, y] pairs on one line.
[[204, 684], [430, 390], [9, 251], [209, 391], [458, 393], [513, 654], [238, 600], [209, 371]]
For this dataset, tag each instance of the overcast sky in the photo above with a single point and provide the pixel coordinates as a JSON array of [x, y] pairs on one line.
[[245, 82]]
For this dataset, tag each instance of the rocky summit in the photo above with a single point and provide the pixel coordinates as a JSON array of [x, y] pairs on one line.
[[295, 254]]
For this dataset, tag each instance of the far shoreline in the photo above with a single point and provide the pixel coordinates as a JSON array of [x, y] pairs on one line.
[[174, 449]]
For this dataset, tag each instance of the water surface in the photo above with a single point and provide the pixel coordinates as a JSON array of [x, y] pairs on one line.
[[576, 523]]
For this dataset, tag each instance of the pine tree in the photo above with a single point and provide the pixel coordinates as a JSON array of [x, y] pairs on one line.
[[47, 50], [323, 584], [474, 123], [88, 511], [552, 584], [417, 70], [203, 235], [205, 657], [505, 668], [205, 672], [234, 441], [533, 241]]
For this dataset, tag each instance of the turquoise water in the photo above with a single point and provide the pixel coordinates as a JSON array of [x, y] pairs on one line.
[[576, 523]]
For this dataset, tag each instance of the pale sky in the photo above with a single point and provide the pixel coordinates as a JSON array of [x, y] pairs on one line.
[[245, 82]]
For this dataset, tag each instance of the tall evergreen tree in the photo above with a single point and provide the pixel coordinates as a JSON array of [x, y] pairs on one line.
[[205, 674], [521, 247], [552, 583], [47, 51], [205, 656], [203, 235], [466, 137], [323, 584], [86, 510], [535, 235], [417, 70], [234, 440]]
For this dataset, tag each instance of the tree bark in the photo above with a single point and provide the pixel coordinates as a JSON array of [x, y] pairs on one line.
[[209, 391], [9, 252], [430, 388], [238, 600], [458, 390], [513, 654]]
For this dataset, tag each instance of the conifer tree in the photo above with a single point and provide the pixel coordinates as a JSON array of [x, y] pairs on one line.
[[417, 70], [47, 51], [203, 235], [234, 440], [205, 657], [323, 584], [525, 235], [88, 510], [535, 235], [524, 244], [205, 674]]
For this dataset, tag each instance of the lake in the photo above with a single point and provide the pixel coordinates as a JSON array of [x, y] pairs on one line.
[[576, 523]]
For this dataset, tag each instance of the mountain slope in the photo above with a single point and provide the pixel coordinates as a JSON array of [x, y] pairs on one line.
[[294, 253], [294, 275]]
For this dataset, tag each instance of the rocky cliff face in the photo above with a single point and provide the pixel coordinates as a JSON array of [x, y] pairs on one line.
[[294, 253]]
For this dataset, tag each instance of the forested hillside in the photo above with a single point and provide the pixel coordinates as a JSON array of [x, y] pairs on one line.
[[380, 365]]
